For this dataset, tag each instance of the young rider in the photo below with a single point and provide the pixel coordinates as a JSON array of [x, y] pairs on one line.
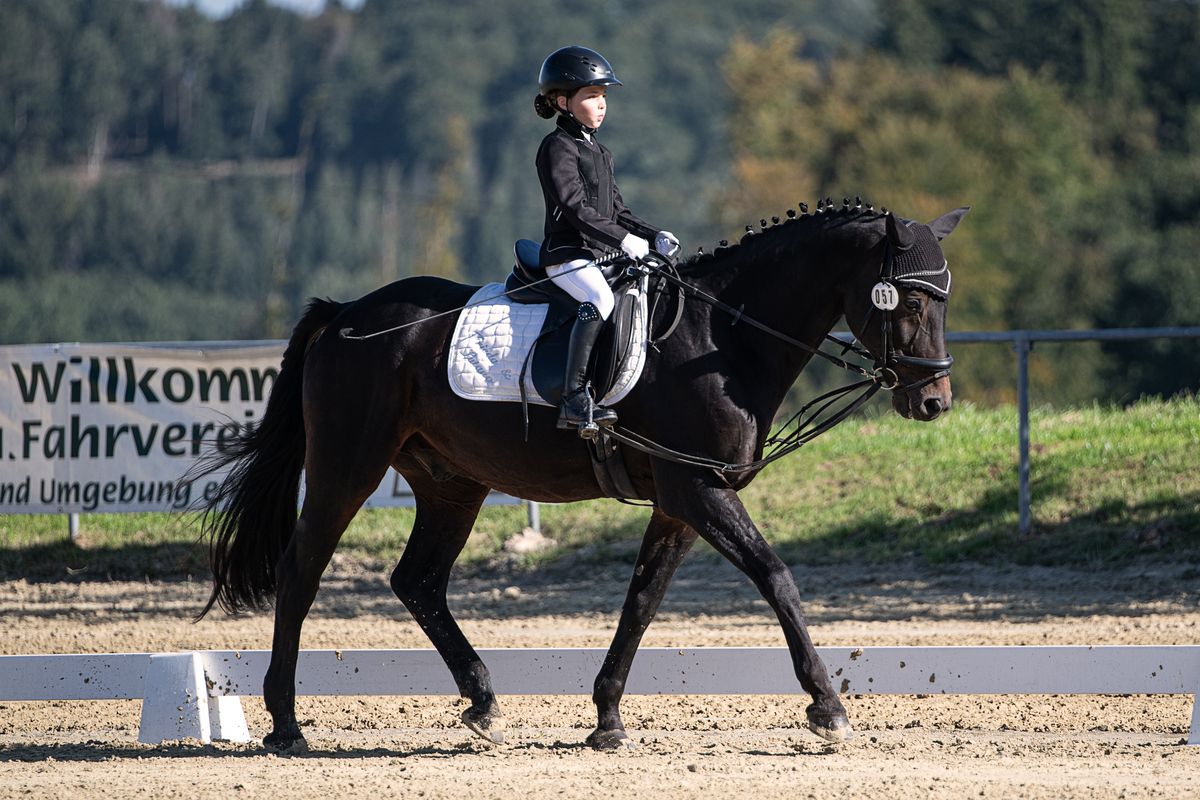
[[585, 216]]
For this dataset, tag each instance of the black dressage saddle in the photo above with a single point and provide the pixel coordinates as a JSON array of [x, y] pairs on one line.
[[527, 284]]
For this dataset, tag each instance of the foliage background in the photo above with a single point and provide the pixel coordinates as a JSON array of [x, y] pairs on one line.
[[164, 175]]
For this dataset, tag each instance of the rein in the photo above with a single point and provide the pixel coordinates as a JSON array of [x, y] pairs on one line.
[[348, 333], [882, 376]]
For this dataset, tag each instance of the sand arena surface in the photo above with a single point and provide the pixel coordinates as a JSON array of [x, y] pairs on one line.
[[688, 746]]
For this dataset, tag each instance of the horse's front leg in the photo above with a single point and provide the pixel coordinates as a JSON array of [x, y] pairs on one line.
[[665, 542], [717, 514]]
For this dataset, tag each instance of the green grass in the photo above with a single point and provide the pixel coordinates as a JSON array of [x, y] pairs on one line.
[[1109, 485]]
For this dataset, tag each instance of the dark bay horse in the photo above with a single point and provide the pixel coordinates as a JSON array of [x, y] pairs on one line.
[[346, 410]]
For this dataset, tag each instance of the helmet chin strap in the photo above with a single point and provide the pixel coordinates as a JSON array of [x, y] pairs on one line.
[[566, 112]]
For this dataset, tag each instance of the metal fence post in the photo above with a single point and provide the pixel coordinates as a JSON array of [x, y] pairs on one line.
[[1022, 344], [535, 517], [73, 526]]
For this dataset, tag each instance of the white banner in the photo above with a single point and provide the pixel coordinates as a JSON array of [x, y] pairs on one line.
[[103, 428]]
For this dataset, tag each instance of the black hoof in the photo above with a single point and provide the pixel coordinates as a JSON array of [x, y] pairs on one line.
[[603, 739], [830, 725], [291, 744], [488, 724]]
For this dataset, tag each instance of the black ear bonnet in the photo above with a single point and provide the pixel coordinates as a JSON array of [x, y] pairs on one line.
[[922, 266]]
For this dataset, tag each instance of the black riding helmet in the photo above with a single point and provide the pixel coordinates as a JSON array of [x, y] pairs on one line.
[[571, 68]]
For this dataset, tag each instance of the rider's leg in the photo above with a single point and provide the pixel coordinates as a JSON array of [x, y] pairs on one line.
[[586, 284]]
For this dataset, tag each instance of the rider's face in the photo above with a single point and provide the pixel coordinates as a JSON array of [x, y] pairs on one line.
[[588, 105]]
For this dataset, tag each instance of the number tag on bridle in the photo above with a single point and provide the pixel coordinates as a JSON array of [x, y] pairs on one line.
[[884, 296]]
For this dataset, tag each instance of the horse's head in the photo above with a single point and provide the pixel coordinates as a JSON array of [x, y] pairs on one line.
[[898, 310]]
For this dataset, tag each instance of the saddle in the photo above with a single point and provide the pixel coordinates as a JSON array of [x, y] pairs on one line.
[[510, 344], [526, 284]]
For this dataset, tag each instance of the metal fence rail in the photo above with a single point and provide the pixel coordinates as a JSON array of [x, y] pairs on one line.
[[1022, 342]]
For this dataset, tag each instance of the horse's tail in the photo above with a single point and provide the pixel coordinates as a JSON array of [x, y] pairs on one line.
[[250, 519]]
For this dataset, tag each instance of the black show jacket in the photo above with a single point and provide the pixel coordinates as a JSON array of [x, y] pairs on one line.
[[584, 209]]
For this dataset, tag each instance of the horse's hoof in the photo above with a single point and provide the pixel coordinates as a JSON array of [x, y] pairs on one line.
[[489, 725], [832, 726], [605, 739], [286, 744]]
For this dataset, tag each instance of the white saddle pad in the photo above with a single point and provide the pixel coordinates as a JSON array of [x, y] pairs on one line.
[[493, 336]]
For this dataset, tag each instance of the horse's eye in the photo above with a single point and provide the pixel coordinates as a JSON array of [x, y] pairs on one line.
[[912, 304]]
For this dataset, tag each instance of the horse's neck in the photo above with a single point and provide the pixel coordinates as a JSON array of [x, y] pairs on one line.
[[793, 292]]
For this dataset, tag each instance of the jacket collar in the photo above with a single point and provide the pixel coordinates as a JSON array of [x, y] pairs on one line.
[[574, 127]]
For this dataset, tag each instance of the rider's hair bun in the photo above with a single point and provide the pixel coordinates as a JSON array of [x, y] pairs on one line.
[[543, 107]]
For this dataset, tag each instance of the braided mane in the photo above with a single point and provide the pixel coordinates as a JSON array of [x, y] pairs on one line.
[[772, 233]]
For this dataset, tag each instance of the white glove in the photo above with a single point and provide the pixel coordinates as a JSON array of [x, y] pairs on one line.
[[666, 243], [635, 246]]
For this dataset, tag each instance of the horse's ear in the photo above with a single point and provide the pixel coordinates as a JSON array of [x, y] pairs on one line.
[[944, 225], [898, 233]]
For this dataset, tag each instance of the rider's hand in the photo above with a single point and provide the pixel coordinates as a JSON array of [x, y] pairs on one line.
[[635, 247], [666, 243]]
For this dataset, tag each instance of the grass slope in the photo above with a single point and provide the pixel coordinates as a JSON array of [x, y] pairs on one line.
[[1109, 484]]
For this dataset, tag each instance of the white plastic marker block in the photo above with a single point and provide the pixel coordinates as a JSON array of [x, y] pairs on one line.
[[178, 703], [1194, 731], [175, 700], [226, 720]]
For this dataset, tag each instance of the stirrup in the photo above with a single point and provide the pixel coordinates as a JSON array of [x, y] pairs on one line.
[[585, 424], [589, 430]]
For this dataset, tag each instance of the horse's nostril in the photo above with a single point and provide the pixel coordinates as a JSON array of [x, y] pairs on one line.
[[932, 406]]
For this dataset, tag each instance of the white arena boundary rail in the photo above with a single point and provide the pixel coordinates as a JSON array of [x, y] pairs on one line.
[[196, 694]]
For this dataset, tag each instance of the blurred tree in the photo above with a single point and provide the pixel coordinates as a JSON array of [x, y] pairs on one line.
[[268, 156], [32, 61], [1096, 47], [33, 243], [252, 77], [1170, 77], [920, 142], [1123, 64]]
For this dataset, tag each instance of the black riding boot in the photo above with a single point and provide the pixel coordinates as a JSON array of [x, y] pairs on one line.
[[577, 405]]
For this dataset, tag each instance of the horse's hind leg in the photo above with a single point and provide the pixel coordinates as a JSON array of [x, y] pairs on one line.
[[664, 545], [446, 510], [327, 511]]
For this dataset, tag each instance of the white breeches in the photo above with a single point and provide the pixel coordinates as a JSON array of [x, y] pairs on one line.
[[587, 285]]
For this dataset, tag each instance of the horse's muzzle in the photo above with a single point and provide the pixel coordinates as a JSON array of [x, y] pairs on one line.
[[926, 403]]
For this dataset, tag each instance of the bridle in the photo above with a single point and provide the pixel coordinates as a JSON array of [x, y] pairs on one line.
[[885, 298], [807, 423]]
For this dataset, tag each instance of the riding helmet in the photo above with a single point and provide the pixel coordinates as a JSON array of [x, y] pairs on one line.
[[570, 68]]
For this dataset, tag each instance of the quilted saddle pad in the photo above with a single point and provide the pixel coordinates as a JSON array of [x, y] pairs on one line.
[[494, 335]]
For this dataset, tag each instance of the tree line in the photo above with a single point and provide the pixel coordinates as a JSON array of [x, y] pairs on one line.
[[164, 175]]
